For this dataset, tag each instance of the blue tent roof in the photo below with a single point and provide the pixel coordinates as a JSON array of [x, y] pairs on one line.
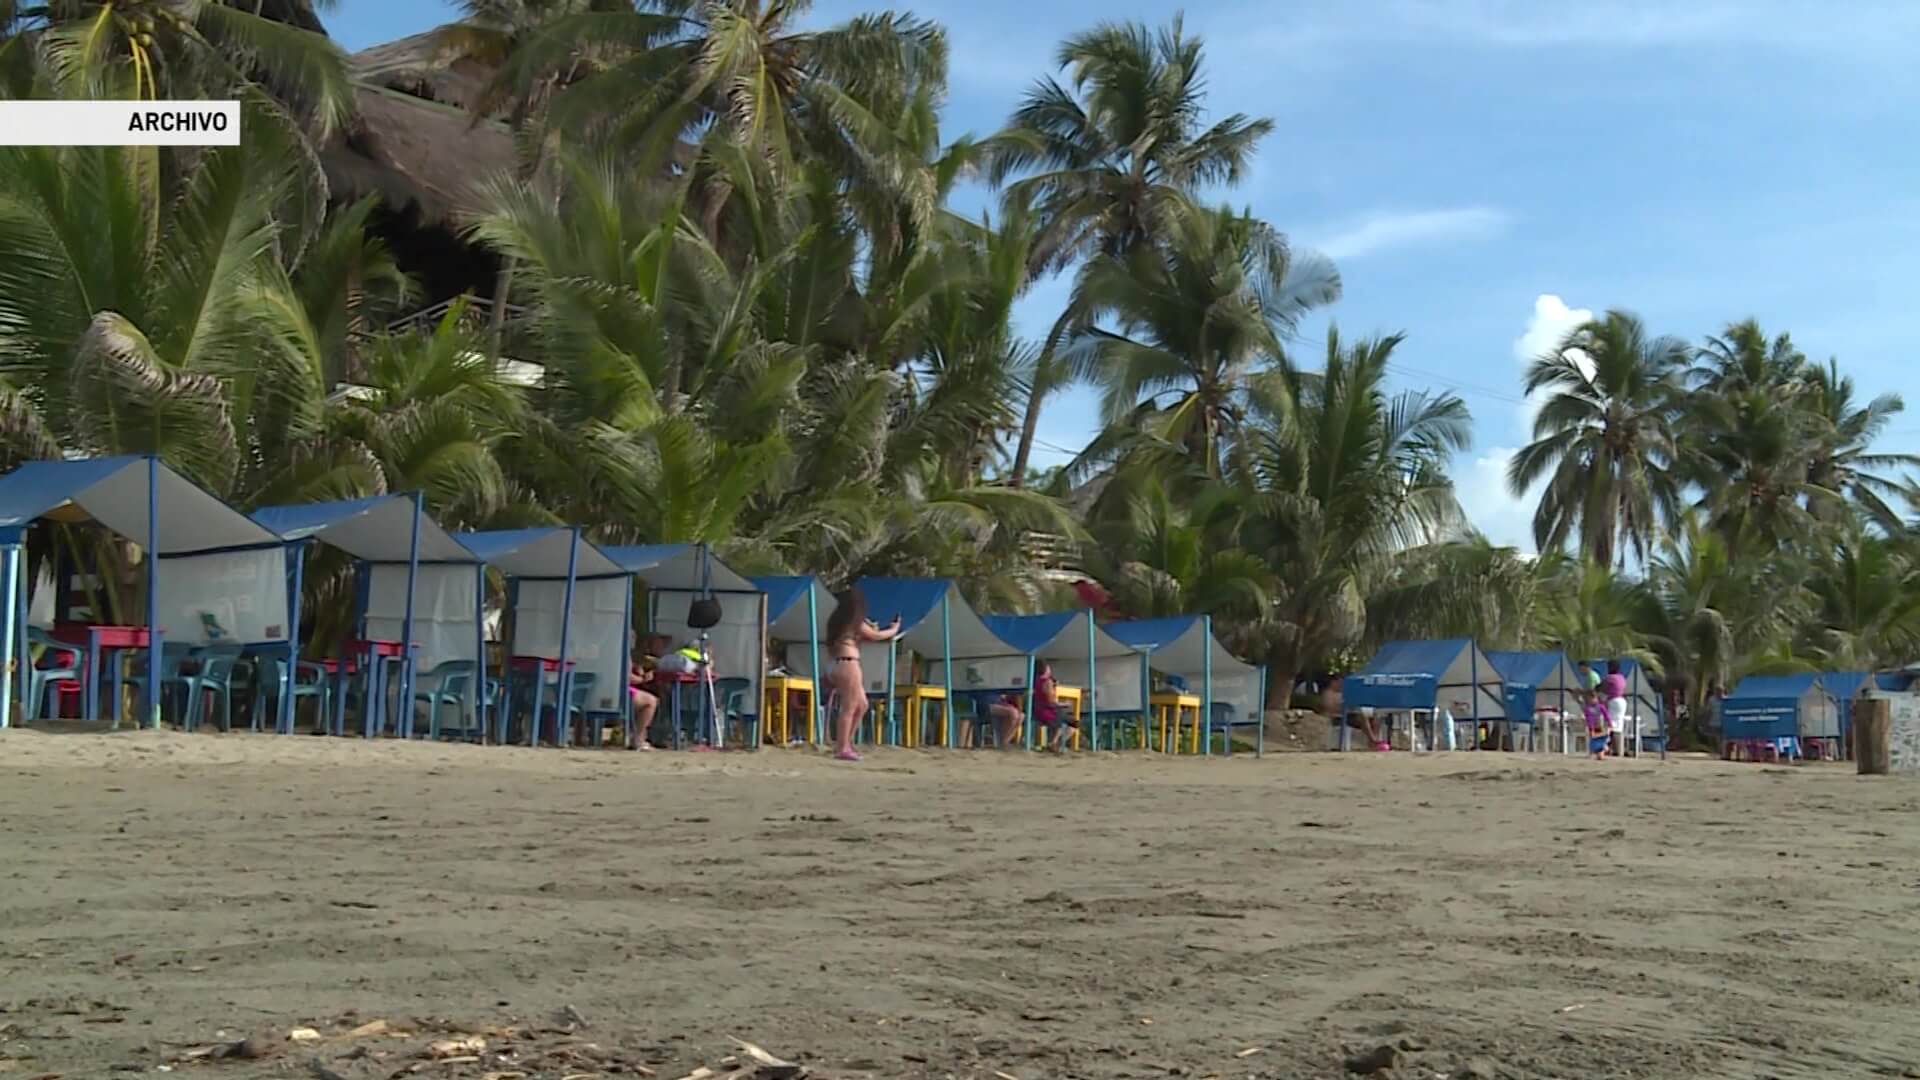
[[114, 492], [1774, 687], [1030, 633], [679, 567], [913, 599], [539, 553], [1152, 633], [1527, 669], [960, 635], [375, 529], [1843, 685], [1414, 674], [782, 592]]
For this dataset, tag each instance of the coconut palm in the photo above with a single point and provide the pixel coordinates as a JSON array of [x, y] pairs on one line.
[[1348, 481], [1108, 158], [1602, 440], [1174, 332], [1842, 460]]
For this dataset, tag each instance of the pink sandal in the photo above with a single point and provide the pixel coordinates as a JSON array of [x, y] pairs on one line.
[[1383, 745]]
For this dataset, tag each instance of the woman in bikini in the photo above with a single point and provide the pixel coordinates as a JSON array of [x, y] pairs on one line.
[[847, 629]]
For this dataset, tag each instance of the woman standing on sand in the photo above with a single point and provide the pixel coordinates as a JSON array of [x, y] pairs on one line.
[[847, 629]]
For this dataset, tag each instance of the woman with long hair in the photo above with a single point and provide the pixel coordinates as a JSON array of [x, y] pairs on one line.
[[847, 629]]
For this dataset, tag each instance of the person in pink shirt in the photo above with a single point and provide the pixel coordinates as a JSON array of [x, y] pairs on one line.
[[1613, 689]]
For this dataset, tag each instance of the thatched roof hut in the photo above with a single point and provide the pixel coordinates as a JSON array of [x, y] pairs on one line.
[[413, 142]]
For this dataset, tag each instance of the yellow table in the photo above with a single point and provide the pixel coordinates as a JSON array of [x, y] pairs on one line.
[[1168, 706], [1064, 694], [915, 696], [778, 687]]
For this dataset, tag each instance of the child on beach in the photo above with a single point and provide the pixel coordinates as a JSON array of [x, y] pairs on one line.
[[1598, 733]]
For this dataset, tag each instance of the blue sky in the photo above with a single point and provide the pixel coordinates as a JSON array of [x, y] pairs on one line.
[[1484, 171]]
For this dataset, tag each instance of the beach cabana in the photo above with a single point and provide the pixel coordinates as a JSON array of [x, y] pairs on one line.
[[939, 626], [211, 571], [571, 612], [1231, 692], [1646, 718], [797, 610], [676, 575], [1082, 653], [413, 584], [1845, 688], [1772, 708], [1452, 675], [1537, 682]]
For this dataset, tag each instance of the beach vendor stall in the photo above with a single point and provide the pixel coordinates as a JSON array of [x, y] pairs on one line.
[[1769, 715], [1541, 687], [797, 609], [1083, 655], [215, 581], [1447, 683], [705, 605], [1231, 692], [570, 618], [940, 627], [416, 601]]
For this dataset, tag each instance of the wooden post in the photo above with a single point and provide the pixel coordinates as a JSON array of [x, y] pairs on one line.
[[1871, 730]]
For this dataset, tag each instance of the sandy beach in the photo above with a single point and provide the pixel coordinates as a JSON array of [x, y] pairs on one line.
[[511, 913]]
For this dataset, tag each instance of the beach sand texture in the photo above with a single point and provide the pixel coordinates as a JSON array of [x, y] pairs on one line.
[[974, 915]]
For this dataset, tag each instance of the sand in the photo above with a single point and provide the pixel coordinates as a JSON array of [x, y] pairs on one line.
[[935, 915]]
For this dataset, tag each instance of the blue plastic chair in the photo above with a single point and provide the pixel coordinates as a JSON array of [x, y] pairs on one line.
[[172, 656], [1226, 718], [450, 685], [267, 690], [215, 676], [46, 672], [731, 697]]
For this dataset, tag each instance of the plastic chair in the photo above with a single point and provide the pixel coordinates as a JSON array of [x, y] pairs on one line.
[[450, 683], [731, 697], [48, 671], [172, 656], [579, 693], [1225, 719], [217, 663], [267, 691]]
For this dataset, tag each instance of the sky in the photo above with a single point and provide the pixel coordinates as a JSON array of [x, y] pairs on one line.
[[1488, 173]]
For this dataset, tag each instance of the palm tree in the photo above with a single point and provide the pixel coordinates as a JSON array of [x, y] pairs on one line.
[[184, 50], [1352, 479], [1108, 161], [1603, 439], [1174, 332], [1842, 461]]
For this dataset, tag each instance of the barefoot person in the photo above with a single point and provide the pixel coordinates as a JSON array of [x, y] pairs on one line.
[[644, 703], [848, 628], [1055, 722]]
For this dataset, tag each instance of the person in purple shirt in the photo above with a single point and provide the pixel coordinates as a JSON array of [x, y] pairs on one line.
[[1614, 689]]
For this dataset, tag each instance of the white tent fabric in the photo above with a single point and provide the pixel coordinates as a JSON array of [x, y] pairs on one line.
[[1186, 654], [190, 519], [443, 610], [244, 591], [382, 532], [596, 635], [40, 608], [737, 646], [791, 628]]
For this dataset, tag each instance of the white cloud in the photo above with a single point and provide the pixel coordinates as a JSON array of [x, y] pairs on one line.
[[1552, 320], [1387, 230], [1481, 487]]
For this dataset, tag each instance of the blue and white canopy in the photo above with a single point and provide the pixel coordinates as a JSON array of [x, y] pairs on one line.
[[115, 493], [376, 529], [1452, 674], [680, 567], [1081, 651], [1184, 646], [1537, 682], [678, 574], [541, 553], [1779, 707]]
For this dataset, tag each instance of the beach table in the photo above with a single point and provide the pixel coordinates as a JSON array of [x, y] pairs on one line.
[[103, 644], [673, 682], [780, 691], [914, 698], [1169, 709], [539, 667], [370, 657]]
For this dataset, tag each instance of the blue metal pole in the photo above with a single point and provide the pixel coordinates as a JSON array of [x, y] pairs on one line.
[[1473, 693], [626, 665], [946, 666], [893, 659], [21, 613], [1260, 733], [12, 555], [1093, 687], [154, 675], [1206, 692], [1032, 695], [563, 681], [290, 677], [1146, 700], [406, 625], [482, 701], [819, 696]]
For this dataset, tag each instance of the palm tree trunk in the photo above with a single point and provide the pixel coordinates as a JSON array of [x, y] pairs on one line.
[[502, 289], [1029, 427]]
